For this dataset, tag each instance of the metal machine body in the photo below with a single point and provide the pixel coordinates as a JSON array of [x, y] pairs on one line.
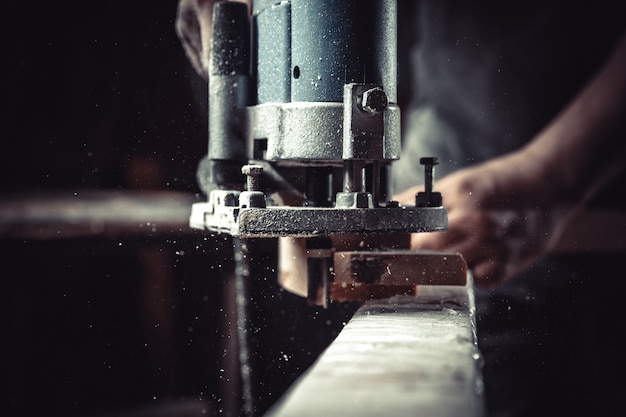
[[303, 127], [303, 101]]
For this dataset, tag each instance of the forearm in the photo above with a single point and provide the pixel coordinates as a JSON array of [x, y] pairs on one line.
[[585, 146], [504, 213]]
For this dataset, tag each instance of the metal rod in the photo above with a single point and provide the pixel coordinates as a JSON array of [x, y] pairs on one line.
[[319, 191], [353, 178], [242, 296], [375, 178]]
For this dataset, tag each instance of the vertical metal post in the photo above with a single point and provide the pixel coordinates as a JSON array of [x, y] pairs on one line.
[[228, 93], [242, 289]]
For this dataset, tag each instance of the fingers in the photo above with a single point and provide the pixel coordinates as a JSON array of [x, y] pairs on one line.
[[498, 234], [188, 31], [482, 237], [463, 226], [488, 260], [488, 273], [193, 27]]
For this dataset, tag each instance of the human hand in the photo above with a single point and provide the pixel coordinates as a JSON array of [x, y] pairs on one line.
[[495, 220], [194, 20], [193, 27]]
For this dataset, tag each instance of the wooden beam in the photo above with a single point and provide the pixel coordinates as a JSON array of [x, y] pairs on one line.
[[403, 356]]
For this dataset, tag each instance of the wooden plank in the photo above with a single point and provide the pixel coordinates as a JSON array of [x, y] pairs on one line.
[[400, 267], [379, 269], [403, 356]]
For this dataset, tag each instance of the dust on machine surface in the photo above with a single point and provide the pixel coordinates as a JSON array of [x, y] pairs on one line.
[[303, 127]]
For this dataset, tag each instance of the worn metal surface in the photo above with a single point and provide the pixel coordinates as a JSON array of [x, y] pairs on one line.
[[313, 221], [404, 356], [302, 221], [330, 43], [312, 131]]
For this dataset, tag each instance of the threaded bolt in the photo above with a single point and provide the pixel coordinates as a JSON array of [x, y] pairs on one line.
[[429, 164], [253, 174]]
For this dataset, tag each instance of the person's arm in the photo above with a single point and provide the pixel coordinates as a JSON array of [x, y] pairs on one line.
[[504, 213], [194, 20]]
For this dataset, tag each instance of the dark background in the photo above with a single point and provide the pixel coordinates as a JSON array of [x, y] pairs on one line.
[[100, 96]]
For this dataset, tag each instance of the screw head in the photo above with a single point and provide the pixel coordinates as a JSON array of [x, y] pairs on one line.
[[374, 100], [253, 170], [431, 160]]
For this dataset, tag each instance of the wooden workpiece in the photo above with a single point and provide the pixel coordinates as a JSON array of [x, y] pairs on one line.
[[400, 267], [403, 356], [362, 275]]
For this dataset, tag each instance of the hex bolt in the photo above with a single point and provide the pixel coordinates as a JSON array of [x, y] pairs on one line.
[[429, 164], [374, 101], [253, 174]]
